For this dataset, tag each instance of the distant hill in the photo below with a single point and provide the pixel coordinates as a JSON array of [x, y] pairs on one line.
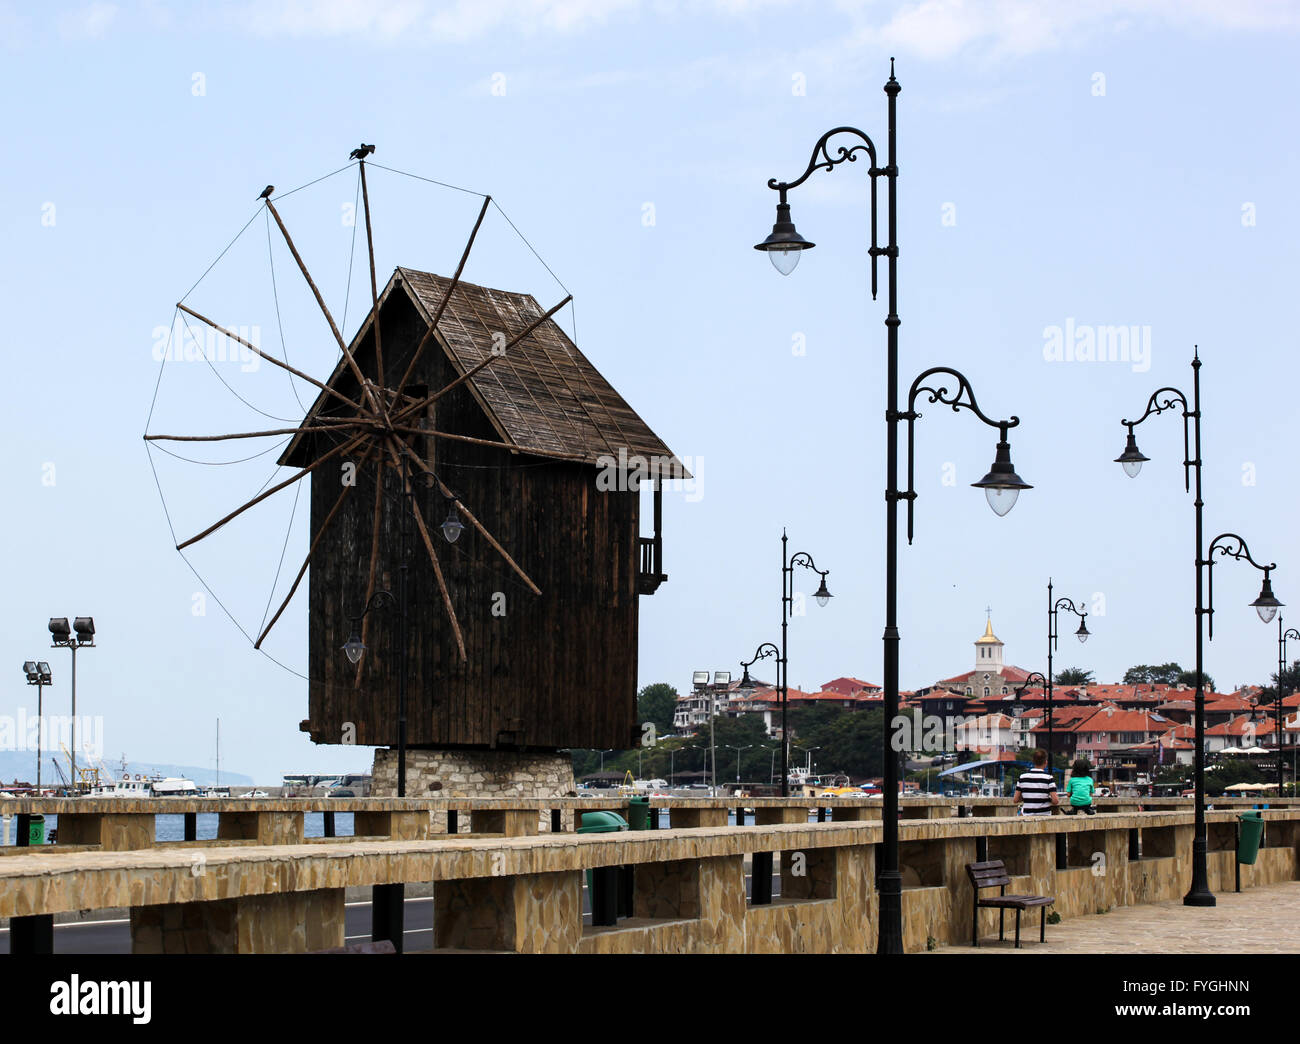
[[21, 765]]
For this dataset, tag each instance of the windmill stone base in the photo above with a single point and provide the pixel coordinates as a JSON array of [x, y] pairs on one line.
[[474, 773]]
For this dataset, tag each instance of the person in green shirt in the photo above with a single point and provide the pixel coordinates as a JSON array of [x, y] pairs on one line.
[[1079, 789]]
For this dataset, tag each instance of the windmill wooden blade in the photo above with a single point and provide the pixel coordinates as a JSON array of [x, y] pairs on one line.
[[374, 286], [269, 358], [302, 267], [374, 557], [433, 559], [343, 447], [342, 426], [302, 572], [446, 298], [473, 521]]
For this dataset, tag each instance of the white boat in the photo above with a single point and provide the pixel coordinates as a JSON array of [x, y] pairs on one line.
[[174, 786], [126, 787]]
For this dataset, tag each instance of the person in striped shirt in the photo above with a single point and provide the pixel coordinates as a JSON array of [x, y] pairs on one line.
[[1036, 789]]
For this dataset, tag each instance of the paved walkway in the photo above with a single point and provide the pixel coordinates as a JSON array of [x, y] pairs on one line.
[[1261, 920]]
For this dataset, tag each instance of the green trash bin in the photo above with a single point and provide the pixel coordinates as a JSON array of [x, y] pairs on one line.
[[638, 813], [1249, 834], [36, 830], [604, 900]]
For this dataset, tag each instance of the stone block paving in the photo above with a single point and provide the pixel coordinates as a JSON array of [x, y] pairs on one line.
[[1261, 920]]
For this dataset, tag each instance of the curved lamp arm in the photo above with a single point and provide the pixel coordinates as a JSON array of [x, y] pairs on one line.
[[962, 398], [1230, 545], [1065, 603], [761, 653], [1163, 399], [823, 158]]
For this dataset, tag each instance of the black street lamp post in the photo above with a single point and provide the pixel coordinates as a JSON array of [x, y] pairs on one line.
[[1001, 485], [1266, 605], [822, 595], [1282, 637], [1053, 633], [1018, 700]]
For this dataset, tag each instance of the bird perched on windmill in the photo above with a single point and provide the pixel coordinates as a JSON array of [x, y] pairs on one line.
[[361, 153], [266, 192]]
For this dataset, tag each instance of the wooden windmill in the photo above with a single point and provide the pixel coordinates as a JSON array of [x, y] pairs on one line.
[[456, 401]]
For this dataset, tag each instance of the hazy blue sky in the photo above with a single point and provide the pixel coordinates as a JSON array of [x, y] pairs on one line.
[[1063, 166]]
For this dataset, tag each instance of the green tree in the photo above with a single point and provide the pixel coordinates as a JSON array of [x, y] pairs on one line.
[[1075, 676], [1188, 678], [656, 703], [1146, 674]]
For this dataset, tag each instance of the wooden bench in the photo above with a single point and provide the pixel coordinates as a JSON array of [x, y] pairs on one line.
[[993, 874]]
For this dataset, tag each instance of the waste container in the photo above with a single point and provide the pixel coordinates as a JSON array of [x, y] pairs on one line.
[[603, 882], [1249, 834], [638, 813], [601, 823], [36, 830]]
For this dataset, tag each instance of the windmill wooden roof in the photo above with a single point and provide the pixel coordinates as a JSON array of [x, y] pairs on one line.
[[543, 394]]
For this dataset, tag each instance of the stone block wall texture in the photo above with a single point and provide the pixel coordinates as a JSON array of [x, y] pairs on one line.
[[476, 774], [294, 922]]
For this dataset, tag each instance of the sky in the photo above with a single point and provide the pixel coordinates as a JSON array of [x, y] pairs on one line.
[[1065, 170]]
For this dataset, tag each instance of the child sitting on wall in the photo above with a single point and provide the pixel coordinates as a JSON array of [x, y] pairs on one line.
[[1079, 789]]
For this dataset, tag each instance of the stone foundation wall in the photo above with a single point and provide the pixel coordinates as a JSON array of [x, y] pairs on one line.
[[474, 774]]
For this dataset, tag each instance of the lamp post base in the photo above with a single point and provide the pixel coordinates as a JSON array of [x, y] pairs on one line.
[[890, 889], [1199, 894]]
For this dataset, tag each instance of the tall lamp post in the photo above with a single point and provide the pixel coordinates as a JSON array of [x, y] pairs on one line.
[[762, 653], [1002, 485], [823, 596], [1053, 633], [62, 637], [1282, 637], [738, 750], [38, 674], [1266, 605]]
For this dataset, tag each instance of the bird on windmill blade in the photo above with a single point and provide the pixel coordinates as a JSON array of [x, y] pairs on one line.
[[266, 192], [363, 152]]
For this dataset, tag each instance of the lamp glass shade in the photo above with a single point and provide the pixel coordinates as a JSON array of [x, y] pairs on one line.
[[1001, 500], [451, 529], [784, 261], [1266, 604], [1132, 458], [784, 244], [1082, 633], [1002, 485], [822, 595], [29, 667], [354, 647]]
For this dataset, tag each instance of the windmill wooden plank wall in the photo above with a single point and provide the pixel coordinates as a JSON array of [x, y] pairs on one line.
[[544, 671]]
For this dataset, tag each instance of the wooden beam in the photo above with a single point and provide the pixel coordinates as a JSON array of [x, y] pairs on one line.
[[552, 454], [302, 267], [374, 286], [474, 522], [342, 447], [433, 558], [446, 297], [301, 572], [269, 358], [374, 560], [253, 434]]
